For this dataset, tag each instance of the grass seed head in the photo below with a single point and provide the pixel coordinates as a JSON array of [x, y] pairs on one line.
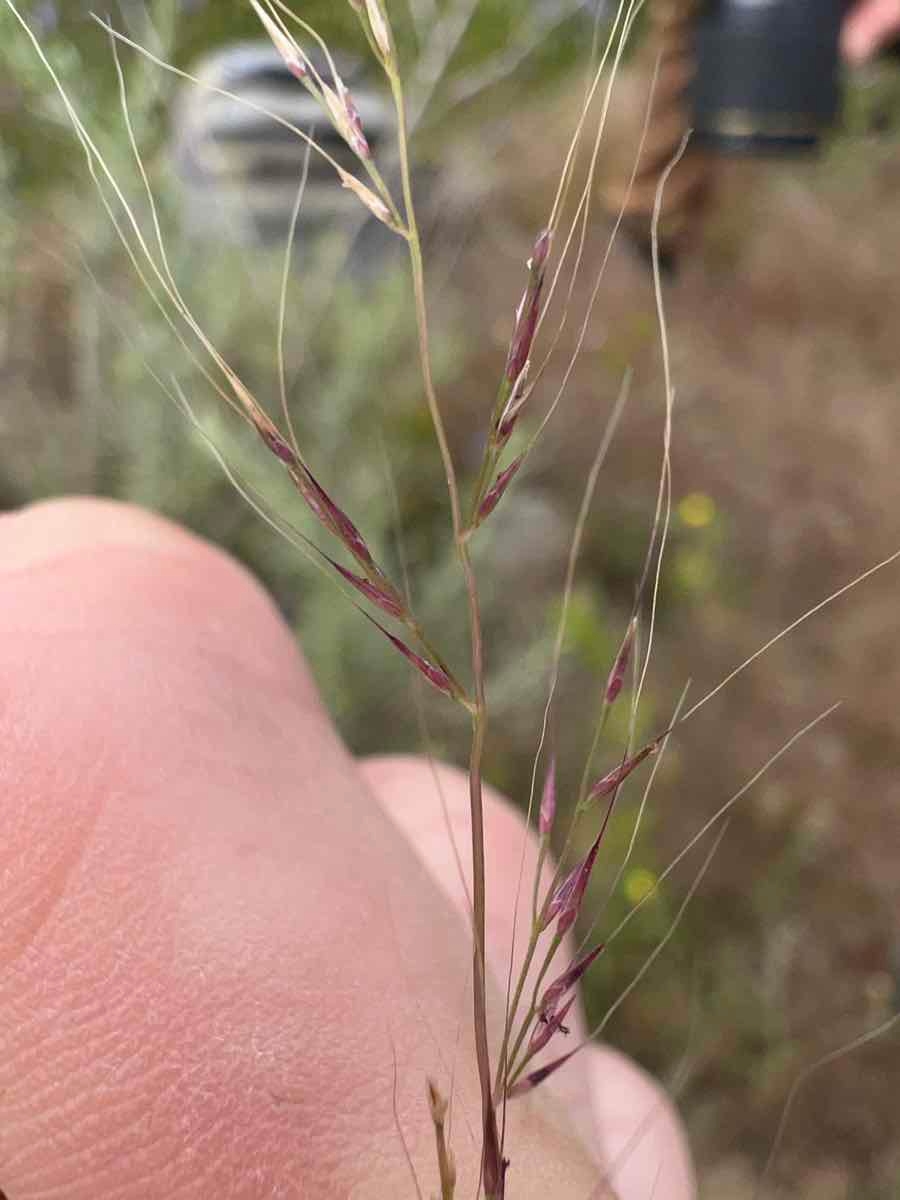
[[519, 393], [495, 492], [333, 518], [293, 57], [566, 900], [354, 120], [381, 593], [275, 442], [620, 667], [533, 1078], [569, 978], [436, 676], [615, 778], [345, 117], [547, 1026], [367, 198], [381, 30], [529, 310]]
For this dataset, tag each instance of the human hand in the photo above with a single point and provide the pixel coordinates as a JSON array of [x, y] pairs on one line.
[[869, 25], [229, 952]]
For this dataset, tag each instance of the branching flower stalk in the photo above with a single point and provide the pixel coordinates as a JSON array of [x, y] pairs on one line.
[[375, 23], [556, 899]]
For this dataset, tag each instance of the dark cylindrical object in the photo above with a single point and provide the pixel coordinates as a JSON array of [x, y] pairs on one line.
[[768, 74]]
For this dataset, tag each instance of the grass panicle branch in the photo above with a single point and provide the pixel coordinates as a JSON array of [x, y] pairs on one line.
[[493, 1168]]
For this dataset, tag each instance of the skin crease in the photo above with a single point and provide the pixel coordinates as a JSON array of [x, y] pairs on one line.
[[216, 942]]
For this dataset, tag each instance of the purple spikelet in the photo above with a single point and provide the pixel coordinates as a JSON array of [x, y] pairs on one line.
[[286, 47], [566, 900], [332, 517], [355, 135], [529, 310], [436, 676], [381, 594], [620, 666], [273, 439], [547, 1026], [517, 398], [495, 492], [615, 778], [569, 978], [533, 1078]]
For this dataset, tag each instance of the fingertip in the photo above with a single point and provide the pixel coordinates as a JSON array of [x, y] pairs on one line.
[[48, 529], [641, 1134], [87, 567], [869, 25], [857, 44]]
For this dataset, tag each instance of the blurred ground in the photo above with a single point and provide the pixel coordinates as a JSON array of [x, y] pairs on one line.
[[783, 328]]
